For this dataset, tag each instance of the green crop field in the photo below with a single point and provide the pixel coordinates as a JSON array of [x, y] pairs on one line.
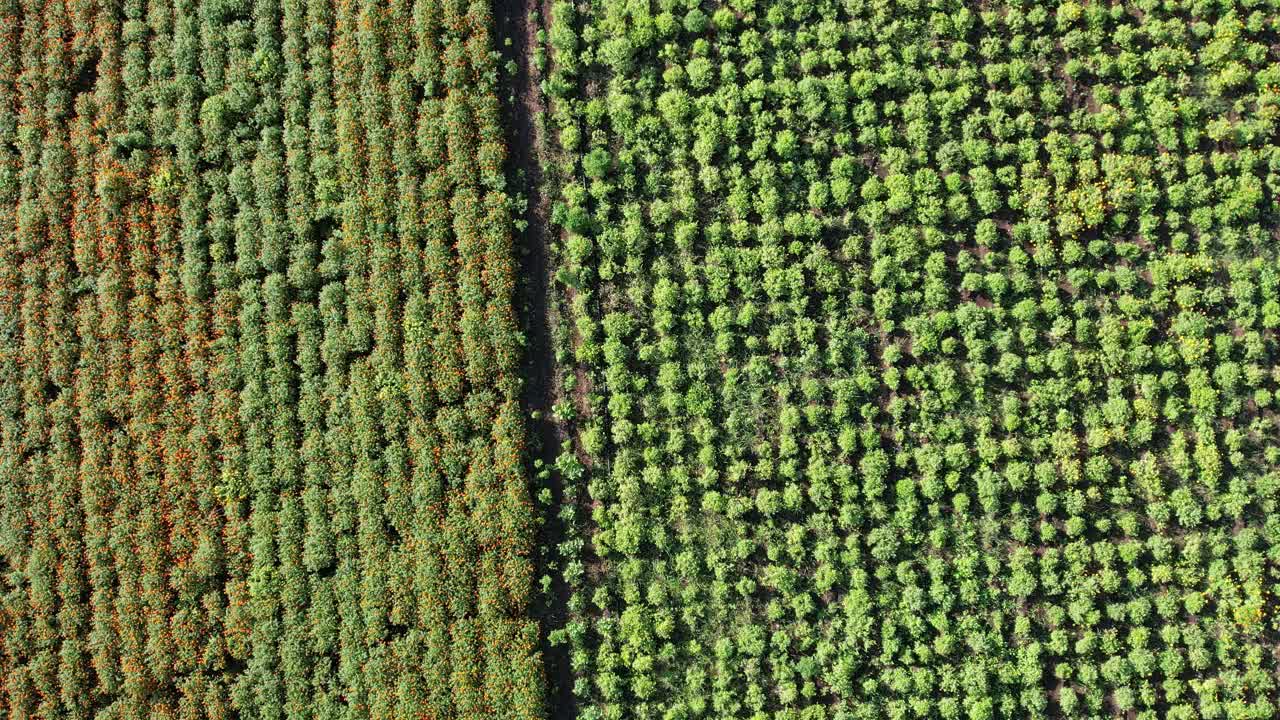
[[926, 354], [639, 359]]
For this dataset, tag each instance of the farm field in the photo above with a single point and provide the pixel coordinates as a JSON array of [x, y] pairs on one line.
[[652, 359], [920, 357], [262, 445]]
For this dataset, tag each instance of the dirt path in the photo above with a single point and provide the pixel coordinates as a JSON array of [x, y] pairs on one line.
[[524, 144]]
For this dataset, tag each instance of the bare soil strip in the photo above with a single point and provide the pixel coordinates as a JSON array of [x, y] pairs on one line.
[[525, 155]]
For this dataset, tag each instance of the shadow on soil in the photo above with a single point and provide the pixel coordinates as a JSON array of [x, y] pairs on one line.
[[534, 298]]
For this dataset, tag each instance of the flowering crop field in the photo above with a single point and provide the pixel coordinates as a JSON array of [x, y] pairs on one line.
[[262, 444], [639, 359]]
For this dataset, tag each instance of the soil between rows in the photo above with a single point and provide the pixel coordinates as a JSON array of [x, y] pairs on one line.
[[525, 146]]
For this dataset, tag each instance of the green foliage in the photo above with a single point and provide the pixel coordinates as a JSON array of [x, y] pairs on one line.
[[941, 335], [259, 394]]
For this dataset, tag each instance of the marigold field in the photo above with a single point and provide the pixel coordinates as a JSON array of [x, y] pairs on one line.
[[639, 359], [263, 450]]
